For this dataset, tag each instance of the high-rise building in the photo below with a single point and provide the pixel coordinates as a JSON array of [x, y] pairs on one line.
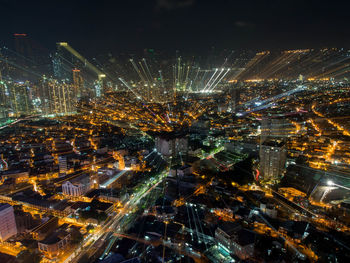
[[60, 97], [62, 164], [98, 88], [7, 222], [62, 64], [272, 128], [273, 157], [43, 94], [23, 47], [3, 98], [78, 83], [235, 94], [20, 98]]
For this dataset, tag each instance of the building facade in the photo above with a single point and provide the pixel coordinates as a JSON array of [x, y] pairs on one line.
[[62, 164], [7, 222], [174, 146], [273, 157], [78, 187], [55, 243]]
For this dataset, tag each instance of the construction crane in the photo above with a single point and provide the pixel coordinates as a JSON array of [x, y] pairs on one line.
[[99, 73]]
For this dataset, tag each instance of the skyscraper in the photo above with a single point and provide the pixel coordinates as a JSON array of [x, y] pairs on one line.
[[78, 83], [23, 48], [61, 70], [61, 98], [20, 97]]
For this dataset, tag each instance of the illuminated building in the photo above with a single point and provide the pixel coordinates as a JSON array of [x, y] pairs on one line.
[[45, 228], [55, 244], [7, 222], [60, 97], [78, 83], [43, 92], [59, 71], [20, 98], [78, 187], [62, 164], [268, 208], [3, 98], [235, 239], [273, 156], [62, 64], [98, 88]]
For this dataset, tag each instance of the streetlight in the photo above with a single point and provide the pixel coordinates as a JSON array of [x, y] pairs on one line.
[[331, 183]]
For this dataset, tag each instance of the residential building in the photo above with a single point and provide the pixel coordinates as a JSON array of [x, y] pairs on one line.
[[273, 157], [7, 222]]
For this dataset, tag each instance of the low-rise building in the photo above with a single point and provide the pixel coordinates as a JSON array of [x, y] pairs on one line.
[[239, 241], [77, 187], [55, 244]]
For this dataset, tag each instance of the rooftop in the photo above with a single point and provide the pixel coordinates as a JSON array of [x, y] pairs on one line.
[[4, 206]]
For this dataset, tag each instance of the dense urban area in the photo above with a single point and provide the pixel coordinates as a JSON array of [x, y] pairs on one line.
[[151, 157]]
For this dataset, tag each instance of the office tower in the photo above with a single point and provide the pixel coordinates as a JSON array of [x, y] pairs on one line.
[[7, 222], [20, 98], [273, 156], [78, 84]]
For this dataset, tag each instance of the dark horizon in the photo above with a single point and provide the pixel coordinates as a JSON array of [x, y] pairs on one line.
[[191, 26]]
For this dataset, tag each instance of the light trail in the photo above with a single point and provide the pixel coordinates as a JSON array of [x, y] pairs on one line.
[[147, 68], [203, 90], [161, 78], [137, 70], [127, 85], [331, 183], [208, 87], [214, 86], [195, 78]]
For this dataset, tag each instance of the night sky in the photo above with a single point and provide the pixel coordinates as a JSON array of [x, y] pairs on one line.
[[99, 26]]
